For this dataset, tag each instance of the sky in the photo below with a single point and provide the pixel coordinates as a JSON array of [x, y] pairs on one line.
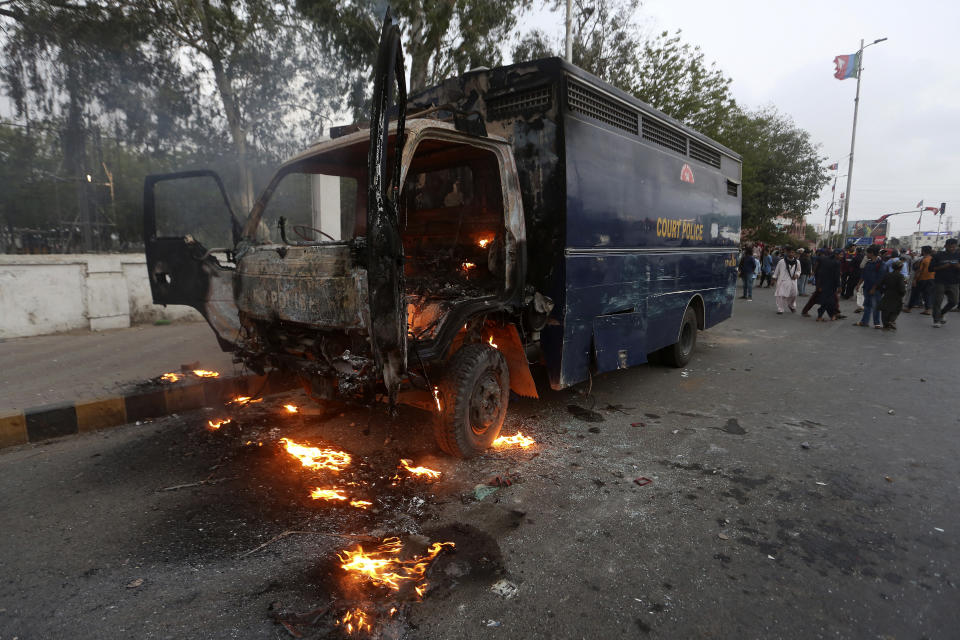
[[781, 53]]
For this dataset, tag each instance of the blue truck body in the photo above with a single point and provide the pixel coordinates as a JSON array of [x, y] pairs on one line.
[[631, 217]]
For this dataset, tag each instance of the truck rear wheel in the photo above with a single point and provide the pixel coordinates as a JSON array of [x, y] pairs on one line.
[[679, 354], [474, 394]]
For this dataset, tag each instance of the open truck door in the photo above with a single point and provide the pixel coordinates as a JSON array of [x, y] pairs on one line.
[[188, 227], [388, 309]]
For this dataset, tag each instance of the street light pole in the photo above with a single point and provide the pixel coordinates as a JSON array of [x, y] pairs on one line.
[[568, 43], [853, 138]]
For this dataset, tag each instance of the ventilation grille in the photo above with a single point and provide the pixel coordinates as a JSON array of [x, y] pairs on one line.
[[515, 103], [704, 154], [732, 188], [595, 105], [661, 134]]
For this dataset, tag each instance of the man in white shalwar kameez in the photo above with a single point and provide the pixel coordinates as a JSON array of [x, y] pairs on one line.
[[785, 276]]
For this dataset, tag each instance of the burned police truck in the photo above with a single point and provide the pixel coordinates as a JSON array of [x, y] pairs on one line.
[[523, 214]]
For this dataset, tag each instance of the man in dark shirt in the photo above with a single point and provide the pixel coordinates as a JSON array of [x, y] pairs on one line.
[[828, 286], [946, 270], [804, 272]]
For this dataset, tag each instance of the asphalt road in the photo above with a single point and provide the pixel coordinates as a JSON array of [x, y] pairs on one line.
[[803, 482]]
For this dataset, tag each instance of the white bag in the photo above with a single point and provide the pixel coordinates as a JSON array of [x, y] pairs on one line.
[[860, 297]]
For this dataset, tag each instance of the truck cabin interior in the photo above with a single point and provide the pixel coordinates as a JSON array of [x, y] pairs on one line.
[[451, 220]]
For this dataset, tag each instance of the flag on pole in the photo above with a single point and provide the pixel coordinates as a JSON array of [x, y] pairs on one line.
[[847, 66], [834, 166], [920, 205]]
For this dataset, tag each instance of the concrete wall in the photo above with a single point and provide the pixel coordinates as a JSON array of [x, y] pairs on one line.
[[53, 293]]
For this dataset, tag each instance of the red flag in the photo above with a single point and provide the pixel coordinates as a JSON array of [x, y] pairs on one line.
[[834, 166], [934, 209], [920, 205]]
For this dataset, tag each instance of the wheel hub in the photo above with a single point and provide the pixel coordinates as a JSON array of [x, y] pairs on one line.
[[485, 403]]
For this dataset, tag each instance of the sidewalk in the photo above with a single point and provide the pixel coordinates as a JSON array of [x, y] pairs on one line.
[[66, 367]]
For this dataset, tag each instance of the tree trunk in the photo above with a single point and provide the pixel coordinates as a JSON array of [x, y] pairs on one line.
[[238, 132], [75, 152], [419, 53]]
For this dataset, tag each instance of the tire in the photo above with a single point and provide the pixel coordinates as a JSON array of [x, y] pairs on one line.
[[679, 354], [474, 394]]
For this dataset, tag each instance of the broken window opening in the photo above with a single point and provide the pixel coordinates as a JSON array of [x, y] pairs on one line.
[[451, 220], [193, 208], [316, 207]]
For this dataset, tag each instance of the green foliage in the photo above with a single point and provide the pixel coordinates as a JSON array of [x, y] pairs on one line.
[[782, 169], [442, 37], [673, 76]]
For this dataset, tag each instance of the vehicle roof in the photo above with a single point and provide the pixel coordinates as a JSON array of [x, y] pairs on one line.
[[413, 128], [554, 67]]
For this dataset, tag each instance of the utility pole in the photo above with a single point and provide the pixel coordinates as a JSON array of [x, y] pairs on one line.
[[568, 42], [853, 138]]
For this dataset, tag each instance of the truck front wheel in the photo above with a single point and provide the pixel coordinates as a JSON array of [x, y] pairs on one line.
[[474, 394]]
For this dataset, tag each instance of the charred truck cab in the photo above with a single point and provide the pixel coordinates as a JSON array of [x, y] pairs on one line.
[[525, 212]]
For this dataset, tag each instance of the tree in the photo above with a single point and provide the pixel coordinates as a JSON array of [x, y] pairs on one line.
[[782, 169], [669, 74], [273, 86], [441, 37], [674, 77]]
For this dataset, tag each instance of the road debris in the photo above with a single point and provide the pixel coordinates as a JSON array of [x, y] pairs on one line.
[[723, 536], [505, 588], [638, 424], [481, 491], [136, 583], [584, 414], [642, 481], [490, 623], [805, 445]]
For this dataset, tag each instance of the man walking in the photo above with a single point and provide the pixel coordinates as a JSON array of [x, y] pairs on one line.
[[925, 279], [946, 269], [785, 276], [870, 277], [804, 273], [747, 268]]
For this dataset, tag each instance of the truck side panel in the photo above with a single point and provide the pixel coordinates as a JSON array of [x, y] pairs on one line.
[[641, 239]]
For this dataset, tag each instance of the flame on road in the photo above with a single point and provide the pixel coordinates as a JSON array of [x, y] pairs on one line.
[[419, 471], [317, 458], [467, 266], [384, 568], [216, 424], [355, 621], [327, 494], [483, 242], [291, 408], [337, 494], [242, 400], [203, 373], [171, 377], [518, 440], [492, 343], [436, 398]]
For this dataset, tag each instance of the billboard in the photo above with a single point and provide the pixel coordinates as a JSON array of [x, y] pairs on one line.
[[866, 232]]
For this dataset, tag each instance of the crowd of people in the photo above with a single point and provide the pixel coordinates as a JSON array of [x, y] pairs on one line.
[[885, 282]]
